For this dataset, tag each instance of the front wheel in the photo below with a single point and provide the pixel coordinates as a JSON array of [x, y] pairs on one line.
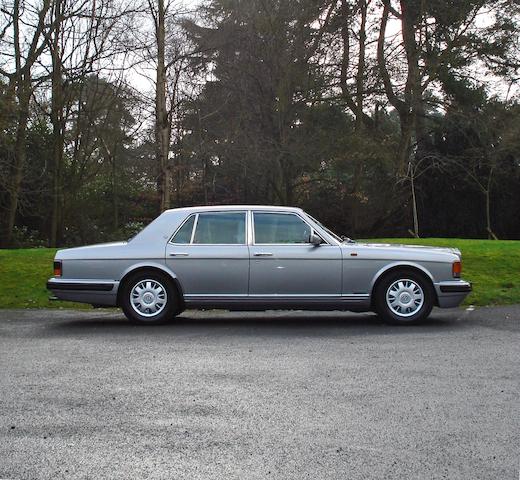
[[404, 298], [149, 298]]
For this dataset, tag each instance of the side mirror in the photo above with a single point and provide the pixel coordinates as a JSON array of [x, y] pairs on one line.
[[315, 239]]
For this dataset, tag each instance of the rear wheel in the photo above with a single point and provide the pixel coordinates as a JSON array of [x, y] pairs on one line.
[[149, 298], [404, 297]]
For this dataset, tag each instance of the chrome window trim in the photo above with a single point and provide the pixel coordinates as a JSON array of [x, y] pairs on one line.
[[195, 223], [194, 229], [249, 227], [182, 225], [313, 229]]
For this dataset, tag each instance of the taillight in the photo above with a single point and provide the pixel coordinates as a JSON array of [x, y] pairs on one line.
[[456, 269], [57, 269]]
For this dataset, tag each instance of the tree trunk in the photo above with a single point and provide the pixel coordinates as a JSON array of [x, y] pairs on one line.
[[487, 194], [22, 81], [162, 121], [20, 154], [360, 123], [58, 128], [405, 143], [414, 204], [356, 106], [205, 179], [412, 106], [360, 76], [278, 183], [115, 194]]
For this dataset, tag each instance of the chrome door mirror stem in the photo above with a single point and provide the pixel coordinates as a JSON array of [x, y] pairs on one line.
[[315, 239]]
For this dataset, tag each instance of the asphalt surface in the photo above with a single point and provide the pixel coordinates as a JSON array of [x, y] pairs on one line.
[[218, 395]]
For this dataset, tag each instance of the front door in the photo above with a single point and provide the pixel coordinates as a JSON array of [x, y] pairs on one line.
[[210, 256], [285, 264]]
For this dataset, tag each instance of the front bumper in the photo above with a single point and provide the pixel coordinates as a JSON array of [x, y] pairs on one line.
[[451, 293], [84, 291]]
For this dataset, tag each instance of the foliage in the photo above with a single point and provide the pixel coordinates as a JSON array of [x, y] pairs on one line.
[[25, 238], [302, 102]]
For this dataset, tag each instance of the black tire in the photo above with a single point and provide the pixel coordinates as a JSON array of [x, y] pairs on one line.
[[155, 283], [416, 312]]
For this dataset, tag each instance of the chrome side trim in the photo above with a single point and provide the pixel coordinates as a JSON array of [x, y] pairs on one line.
[[216, 295], [276, 296], [80, 285]]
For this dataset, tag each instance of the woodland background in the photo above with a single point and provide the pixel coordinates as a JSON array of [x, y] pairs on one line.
[[379, 117]]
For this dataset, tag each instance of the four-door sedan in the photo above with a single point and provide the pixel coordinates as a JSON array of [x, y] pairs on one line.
[[256, 258]]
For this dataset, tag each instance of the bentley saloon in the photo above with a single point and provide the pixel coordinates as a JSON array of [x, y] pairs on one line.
[[256, 258]]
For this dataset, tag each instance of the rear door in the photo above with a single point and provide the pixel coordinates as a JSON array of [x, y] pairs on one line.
[[284, 263], [209, 254]]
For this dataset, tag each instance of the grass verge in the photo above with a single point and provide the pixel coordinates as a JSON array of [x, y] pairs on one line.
[[492, 266], [24, 274]]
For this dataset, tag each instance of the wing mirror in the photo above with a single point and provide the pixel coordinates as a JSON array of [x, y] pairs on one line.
[[315, 239]]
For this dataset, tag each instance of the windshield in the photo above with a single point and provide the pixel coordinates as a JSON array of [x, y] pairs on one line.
[[330, 232]]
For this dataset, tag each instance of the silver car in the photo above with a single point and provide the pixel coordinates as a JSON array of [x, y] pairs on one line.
[[256, 258]]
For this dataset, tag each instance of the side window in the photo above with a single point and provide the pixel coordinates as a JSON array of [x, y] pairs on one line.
[[280, 228], [220, 228], [183, 235]]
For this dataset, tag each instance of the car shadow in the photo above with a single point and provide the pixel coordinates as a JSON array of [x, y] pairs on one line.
[[270, 323]]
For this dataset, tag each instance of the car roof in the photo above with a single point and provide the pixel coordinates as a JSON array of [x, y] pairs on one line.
[[213, 208]]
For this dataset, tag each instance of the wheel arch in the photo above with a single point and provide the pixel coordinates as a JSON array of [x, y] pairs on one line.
[[151, 267], [394, 267]]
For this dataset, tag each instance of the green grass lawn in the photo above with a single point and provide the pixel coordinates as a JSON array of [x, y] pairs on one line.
[[492, 266], [24, 273]]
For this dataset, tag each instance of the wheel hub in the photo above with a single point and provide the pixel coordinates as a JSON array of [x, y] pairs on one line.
[[148, 297], [405, 297]]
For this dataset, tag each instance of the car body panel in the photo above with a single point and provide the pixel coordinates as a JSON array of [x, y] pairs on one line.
[[334, 275], [365, 263], [295, 270], [210, 269]]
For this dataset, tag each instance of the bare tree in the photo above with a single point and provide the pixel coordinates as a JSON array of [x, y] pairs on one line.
[[162, 117], [404, 104], [415, 170], [169, 56], [21, 49], [432, 46], [84, 34], [355, 100]]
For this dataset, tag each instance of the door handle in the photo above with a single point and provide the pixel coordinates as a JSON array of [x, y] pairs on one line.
[[179, 254], [263, 254]]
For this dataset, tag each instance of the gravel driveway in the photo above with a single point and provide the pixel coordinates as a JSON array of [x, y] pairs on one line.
[[217, 395]]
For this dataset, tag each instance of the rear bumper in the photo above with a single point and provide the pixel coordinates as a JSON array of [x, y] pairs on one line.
[[452, 293], [84, 291]]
